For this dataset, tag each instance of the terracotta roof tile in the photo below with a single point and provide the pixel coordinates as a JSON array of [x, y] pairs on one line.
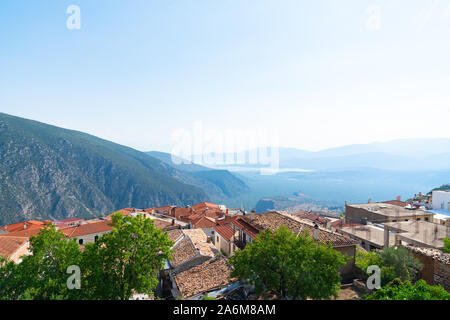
[[208, 276], [9, 245], [227, 220], [88, 228], [23, 233], [183, 250], [174, 235], [199, 238], [245, 226], [204, 205], [204, 222], [225, 231], [275, 220], [26, 225], [315, 218]]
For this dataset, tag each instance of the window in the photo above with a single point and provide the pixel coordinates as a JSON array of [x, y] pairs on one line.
[[80, 241], [95, 238], [426, 219]]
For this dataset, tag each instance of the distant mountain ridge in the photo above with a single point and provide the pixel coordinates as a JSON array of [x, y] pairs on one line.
[[50, 172], [402, 154], [220, 185]]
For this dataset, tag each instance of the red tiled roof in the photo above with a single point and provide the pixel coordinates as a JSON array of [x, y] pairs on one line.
[[248, 228], [299, 212], [275, 220], [24, 233], [125, 212], [26, 225], [210, 275], [225, 231], [9, 245], [183, 251], [88, 228], [164, 210], [226, 220], [205, 205], [174, 235], [315, 218], [396, 203], [165, 225], [179, 212], [204, 222]]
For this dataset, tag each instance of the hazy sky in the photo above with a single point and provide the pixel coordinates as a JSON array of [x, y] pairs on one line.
[[316, 73]]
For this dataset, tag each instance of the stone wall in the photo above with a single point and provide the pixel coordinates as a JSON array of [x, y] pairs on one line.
[[442, 274], [436, 266]]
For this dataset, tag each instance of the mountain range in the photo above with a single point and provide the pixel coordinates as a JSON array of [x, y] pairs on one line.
[[48, 172], [401, 154]]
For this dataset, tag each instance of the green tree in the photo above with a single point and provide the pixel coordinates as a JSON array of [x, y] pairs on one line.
[[365, 259], [446, 248], [289, 265], [125, 260], [402, 263], [397, 290], [42, 274], [393, 262], [9, 284]]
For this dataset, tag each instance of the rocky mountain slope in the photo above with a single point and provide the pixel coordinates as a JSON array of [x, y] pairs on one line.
[[50, 172]]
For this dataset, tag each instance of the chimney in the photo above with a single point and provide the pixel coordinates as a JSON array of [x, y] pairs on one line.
[[369, 201], [316, 231], [398, 198], [345, 202], [253, 212], [24, 226]]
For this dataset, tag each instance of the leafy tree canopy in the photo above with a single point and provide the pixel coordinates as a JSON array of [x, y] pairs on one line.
[[394, 262], [446, 248], [397, 290], [42, 274], [289, 265], [125, 260], [120, 263]]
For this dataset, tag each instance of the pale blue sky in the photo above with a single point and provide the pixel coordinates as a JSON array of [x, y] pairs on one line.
[[314, 71]]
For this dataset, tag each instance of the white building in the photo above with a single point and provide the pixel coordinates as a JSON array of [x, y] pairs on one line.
[[441, 200]]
